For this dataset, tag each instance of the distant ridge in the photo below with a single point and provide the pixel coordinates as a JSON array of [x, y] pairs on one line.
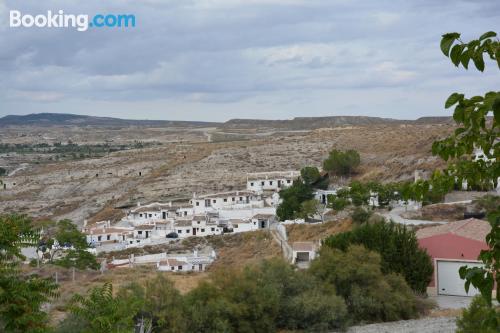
[[299, 123], [63, 119]]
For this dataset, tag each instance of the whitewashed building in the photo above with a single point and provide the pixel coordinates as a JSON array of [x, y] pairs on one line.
[[226, 200], [270, 181]]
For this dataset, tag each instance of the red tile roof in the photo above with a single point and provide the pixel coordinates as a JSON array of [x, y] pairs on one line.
[[470, 228]]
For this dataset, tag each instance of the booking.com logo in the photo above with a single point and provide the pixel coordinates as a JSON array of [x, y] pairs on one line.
[[81, 22]]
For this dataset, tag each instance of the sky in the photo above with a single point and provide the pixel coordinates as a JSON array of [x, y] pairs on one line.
[[215, 60]]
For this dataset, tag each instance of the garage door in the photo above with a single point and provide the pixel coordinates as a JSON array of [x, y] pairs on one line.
[[302, 256], [449, 281]]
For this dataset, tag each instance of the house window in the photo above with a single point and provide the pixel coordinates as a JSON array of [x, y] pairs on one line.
[[236, 226], [214, 201], [139, 232], [225, 199], [254, 223], [108, 237], [140, 215], [262, 183], [202, 230], [150, 215], [198, 222], [172, 268], [241, 198], [197, 203], [99, 238], [188, 231], [288, 181], [192, 267], [213, 229], [233, 199], [251, 184], [179, 268], [179, 231], [270, 182]]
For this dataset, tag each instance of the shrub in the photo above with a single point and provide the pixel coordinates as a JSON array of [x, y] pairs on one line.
[[479, 317], [397, 246], [360, 215], [369, 294]]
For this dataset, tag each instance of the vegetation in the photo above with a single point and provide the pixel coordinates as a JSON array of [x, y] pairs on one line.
[[478, 120], [341, 163], [398, 248], [69, 150], [370, 294], [21, 296], [478, 318]]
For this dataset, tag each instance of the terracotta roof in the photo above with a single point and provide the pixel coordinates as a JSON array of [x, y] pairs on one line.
[[172, 262], [470, 228], [303, 246]]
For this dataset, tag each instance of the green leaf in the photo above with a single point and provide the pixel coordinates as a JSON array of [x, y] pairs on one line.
[[478, 60], [453, 99], [456, 51], [464, 59], [488, 34], [447, 42], [496, 110]]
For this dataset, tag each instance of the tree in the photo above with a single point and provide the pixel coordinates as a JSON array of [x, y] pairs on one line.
[[370, 295], [478, 120], [292, 199], [360, 215], [310, 175], [477, 317], [342, 163], [397, 246], [21, 296], [68, 235], [101, 312]]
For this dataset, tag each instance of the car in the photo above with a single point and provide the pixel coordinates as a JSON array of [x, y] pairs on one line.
[[172, 235]]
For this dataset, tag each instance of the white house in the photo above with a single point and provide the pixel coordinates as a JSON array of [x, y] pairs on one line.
[[270, 181], [103, 235], [226, 200]]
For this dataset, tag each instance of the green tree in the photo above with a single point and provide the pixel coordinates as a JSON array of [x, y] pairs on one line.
[[370, 295], [21, 296], [292, 199], [310, 175], [101, 312], [342, 163], [397, 246], [478, 121], [360, 215], [478, 318]]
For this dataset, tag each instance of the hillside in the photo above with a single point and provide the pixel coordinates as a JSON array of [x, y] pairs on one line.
[[298, 123], [59, 119]]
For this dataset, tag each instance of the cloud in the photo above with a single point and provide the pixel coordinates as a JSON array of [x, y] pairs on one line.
[[232, 56]]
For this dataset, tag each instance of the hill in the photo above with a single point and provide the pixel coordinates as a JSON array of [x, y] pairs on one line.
[[61, 119], [298, 123]]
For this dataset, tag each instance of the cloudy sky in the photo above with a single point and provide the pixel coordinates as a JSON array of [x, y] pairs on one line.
[[222, 59]]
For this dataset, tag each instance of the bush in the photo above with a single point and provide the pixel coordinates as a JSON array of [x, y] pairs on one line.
[[370, 295], [360, 215], [479, 317], [293, 197], [398, 248]]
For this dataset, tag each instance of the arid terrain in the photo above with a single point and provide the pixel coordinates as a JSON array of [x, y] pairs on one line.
[[174, 162]]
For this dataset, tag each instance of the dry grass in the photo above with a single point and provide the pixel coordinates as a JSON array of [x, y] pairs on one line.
[[315, 232], [239, 250]]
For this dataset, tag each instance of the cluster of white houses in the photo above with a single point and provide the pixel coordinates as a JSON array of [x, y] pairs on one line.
[[204, 215]]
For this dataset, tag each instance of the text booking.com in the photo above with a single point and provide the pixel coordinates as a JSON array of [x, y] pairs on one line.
[[81, 22]]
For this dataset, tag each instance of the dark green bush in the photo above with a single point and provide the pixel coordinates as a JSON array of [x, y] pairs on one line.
[[479, 318], [397, 246]]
